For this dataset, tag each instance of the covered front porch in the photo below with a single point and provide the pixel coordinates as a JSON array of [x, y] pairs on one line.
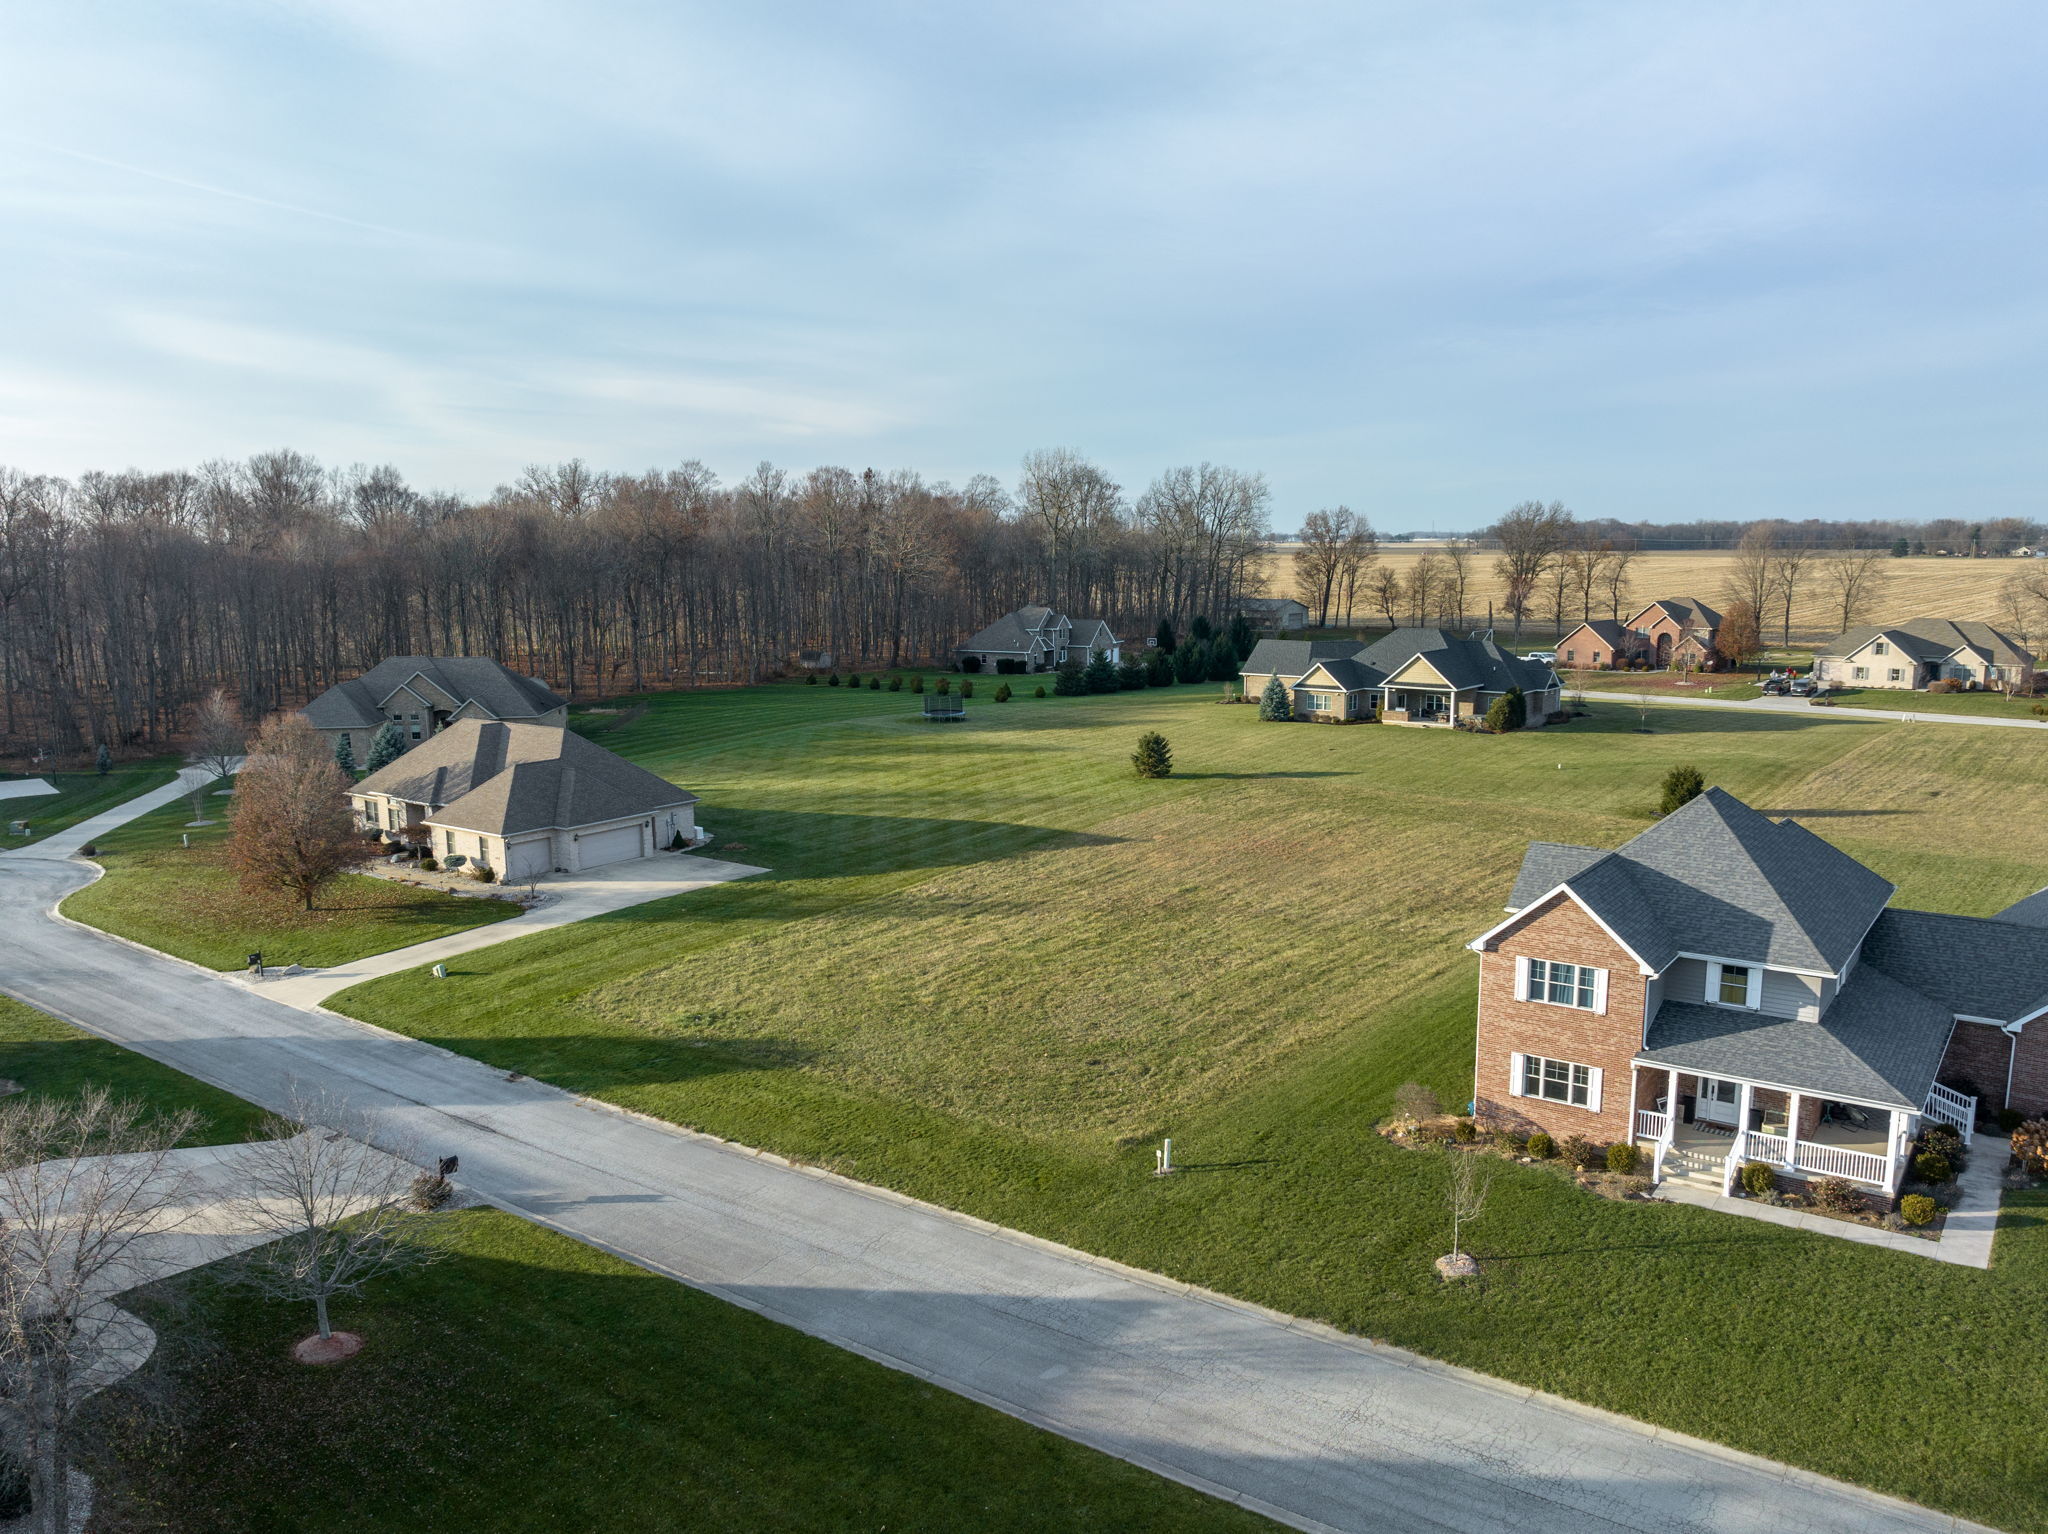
[[1698, 1123], [1424, 705]]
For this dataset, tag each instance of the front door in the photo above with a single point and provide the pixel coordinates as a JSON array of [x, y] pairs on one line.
[[1719, 1101]]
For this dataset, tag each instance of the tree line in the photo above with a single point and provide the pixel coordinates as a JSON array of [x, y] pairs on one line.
[[127, 597]]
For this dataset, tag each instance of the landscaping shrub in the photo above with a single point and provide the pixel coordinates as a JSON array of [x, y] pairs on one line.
[[428, 865], [90, 850], [810, 679], [1099, 675], [1946, 1141], [1577, 1152], [483, 873], [1759, 1178], [1508, 1143], [1540, 1146], [2030, 1145], [1067, 682], [895, 684], [917, 684], [1508, 712], [1002, 692], [1274, 702], [853, 680], [874, 684], [1465, 1132], [1154, 757], [1682, 785], [1040, 692], [966, 689], [943, 686], [1917, 1209], [1932, 1167], [1130, 676], [1413, 1100], [2010, 1119], [676, 842], [431, 1191], [1624, 1158], [832, 680], [1836, 1195]]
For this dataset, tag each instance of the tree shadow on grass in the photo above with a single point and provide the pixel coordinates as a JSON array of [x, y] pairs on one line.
[[1833, 814], [1254, 776]]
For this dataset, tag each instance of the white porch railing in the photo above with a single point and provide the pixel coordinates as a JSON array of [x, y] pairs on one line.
[[1952, 1108], [1652, 1126], [1837, 1161], [1775, 1149]]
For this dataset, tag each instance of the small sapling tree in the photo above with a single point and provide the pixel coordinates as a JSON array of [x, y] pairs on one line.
[[1274, 702], [1154, 757]]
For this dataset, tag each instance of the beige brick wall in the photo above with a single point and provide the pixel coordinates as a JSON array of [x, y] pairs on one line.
[[1609, 1040]]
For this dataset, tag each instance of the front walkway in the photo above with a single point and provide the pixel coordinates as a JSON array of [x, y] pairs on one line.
[[573, 897], [1966, 1237]]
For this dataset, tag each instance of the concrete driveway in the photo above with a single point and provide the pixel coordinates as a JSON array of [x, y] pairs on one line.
[[571, 897], [1316, 1429], [1800, 706]]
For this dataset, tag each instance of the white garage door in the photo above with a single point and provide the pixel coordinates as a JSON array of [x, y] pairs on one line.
[[608, 847], [527, 859]]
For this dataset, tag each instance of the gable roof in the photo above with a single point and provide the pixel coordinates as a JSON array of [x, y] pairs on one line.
[[1007, 633], [1716, 877], [1928, 639], [502, 779], [1606, 628], [1879, 1041], [1463, 663], [1686, 612], [1024, 630], [2029, 910], [1092, 632], [504, 694], [1973, 965]]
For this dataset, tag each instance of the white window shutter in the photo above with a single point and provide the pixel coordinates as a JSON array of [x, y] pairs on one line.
[[1755, 996], [1593, 1090], [1600, 990], [1713, 980], [1521, 979], [1515, 1075]]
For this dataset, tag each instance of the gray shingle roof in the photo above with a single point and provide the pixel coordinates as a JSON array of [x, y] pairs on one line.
[[1880, 1041], [1092, 632], [1464, 663], [1007, 633], [1546, 865], [502, 779], [1980, 967], [1930, 639], [2029, 911], [1013, 632], [357, 704]]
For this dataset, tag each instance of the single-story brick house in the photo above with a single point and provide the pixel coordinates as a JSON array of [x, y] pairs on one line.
[[423, 694], [1908, 656], [1726, 988], [525, 800], [1037, 639], [1412, 676], [1671, 631]]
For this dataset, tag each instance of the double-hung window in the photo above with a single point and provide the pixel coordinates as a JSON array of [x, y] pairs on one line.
[[1558, 1080], [1894, 674], [1880, 648], [1860, 673], [1735, 985], [1563, 985]]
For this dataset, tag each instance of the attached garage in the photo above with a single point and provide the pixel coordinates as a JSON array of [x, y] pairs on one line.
[[594, 849], [530, 859]]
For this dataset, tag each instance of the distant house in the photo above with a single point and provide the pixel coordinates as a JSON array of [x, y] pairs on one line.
[[1413, 676], [525, 800], [423, 694], [1909, 656], [1283, 615], [1037, 639], [1726, 988], [1671, 631]]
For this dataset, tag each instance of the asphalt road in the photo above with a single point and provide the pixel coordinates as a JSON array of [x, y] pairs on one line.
[[1318, 1430]]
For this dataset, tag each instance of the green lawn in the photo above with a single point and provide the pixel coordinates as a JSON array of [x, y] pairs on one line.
[[1996, 703], [989, 966], [532, 1383], [185, 901], [80, 796]]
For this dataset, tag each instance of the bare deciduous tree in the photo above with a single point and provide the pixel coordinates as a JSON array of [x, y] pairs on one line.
[[1751, 579], [292, 829], [342, 1211], [218, 739], [1790, 569], [1457, 582], [1854, 579], [1386, 594], [1614, 578], [1531, 536], [1336, 546], [84, 1184], [1468, 1180]]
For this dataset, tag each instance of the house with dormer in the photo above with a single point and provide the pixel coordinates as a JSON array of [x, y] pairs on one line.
[[1038, 639], [1671, 631], [424, 694], [1725, 988], [1412, 676], [1913, 655]]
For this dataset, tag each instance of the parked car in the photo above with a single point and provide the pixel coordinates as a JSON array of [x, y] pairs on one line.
[[1801, 687], [1548, 657], [1776, 687]]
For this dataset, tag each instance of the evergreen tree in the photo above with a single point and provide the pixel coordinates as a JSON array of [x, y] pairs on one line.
[[1153, 758], [1201, 629], [832, 680], [345, 753], [1191, 661], [1158, 669], [1274, 702], [895, 684], [1222, 661], [1099, 675], [1041, 691], [1002, 692], [1130, 676], [917, 684], [854, 680], [386, 746], [874, 684], [966, 687], [1682, 785], [1509, 712], [1165, 635], [1899, 548], [1242, 637], [1067, 682], [810, 679], [103, 759]]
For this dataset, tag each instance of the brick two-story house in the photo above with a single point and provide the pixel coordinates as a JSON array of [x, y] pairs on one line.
[[1727, 988], [1671, 631]]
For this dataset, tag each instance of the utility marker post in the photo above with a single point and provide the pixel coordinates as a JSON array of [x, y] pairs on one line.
[[1164, 1158]]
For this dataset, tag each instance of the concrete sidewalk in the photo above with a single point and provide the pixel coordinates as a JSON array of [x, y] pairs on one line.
[[65, 843], [1317, 1429], [575, 897]]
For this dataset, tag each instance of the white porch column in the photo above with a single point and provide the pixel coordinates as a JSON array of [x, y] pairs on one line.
[[1795, 1105], [1742, 1112]]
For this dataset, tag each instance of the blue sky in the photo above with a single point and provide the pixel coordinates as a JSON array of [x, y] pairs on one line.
[[1656, 260]]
